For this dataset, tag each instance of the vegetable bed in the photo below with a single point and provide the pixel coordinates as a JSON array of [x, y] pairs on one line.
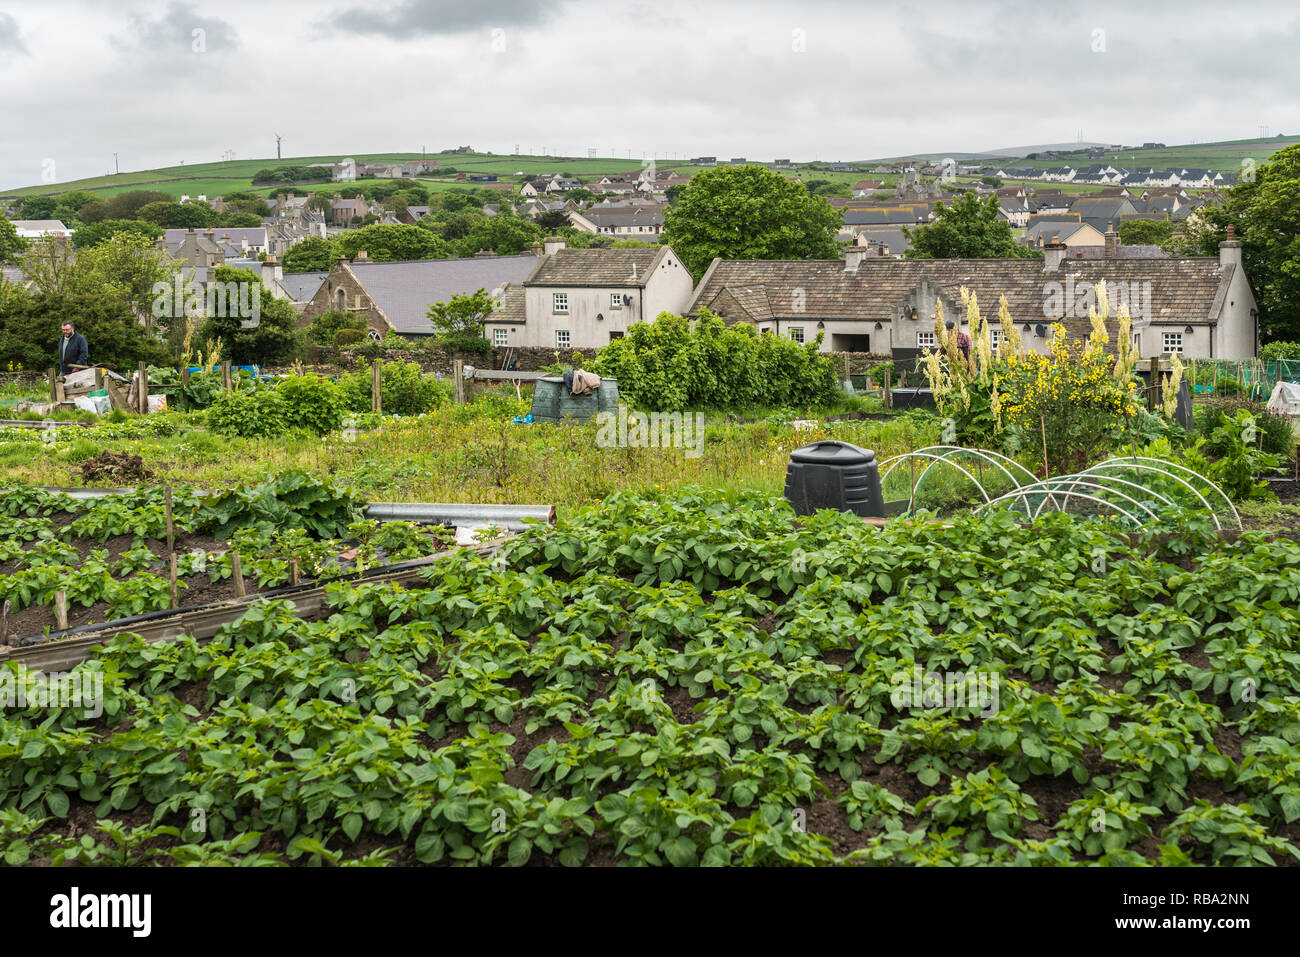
[[695, 680]]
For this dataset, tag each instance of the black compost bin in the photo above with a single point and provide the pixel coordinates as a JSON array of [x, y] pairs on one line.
[[834, 475], [912, 398]]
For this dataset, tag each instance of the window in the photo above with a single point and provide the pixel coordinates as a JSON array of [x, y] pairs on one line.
[[995, 336], [615, 334], [1173, 342], [925, 340], [500, 337], [796, 333], [561, 302], [616, 300], [561, 338]]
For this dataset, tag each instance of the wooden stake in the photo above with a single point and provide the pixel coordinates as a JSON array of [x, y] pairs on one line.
[[167, 511], [376, 392], [458, 373], [99, 378], [889, 392], [4, 622], [237, 573], [181, 400], [53, 376], [1042, 421], [293, 571], [143, 392], [227, 382], [172, 580], [61, 609]]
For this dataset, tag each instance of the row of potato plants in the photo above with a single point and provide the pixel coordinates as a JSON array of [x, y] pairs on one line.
[[681, 679]]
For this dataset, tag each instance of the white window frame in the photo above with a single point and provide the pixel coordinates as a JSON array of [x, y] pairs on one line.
[[562, 338], [560, 302], [1172, 338], [926, 340], [500, 337], [796, 334], [996, 336], [616, 300]]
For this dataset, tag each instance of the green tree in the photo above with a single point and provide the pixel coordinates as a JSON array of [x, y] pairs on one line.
[[552, 220], [126, 267], [392, 243], [748, 212], [1264, 208], [172, 215], [29, 330], [39, 207], [273, 340], [506, 236], [312, 254], [128, 205], [993, 181], [458, 322], [95, 233], [1146, 232], [330, 323], [12, 246], [968, 229]]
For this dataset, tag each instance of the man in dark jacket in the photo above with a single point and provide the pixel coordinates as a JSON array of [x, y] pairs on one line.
[[72, 350]]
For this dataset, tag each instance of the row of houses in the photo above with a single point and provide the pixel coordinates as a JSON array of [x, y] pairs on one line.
[[1101, 174], [867, 302]]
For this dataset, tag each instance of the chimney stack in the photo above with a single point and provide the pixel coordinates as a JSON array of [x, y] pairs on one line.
[[853, 257], [1230, 249], [553, 245], [1112, 242], [1053, 255]]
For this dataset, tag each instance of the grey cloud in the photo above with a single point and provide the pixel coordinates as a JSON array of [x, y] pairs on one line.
[[10, 41], [411, 18], [174, 32]]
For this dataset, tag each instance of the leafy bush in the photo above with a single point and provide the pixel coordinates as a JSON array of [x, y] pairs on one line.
[[325, 328], [1274, 351], [249, 414], [404, 389], [311, 402], [1235, 438], [293, 499], [348, 337], [465, 342], [667, 365]]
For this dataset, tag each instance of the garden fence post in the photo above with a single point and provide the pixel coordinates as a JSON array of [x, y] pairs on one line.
[[182, 401], [458, 373], [54, 392], [4, 622], [237, 573], [61, 609], [167, 509], [889, 392], [293, 571], [376, 383], [227, 383], [99, 378], [172, 579], [142, 393]]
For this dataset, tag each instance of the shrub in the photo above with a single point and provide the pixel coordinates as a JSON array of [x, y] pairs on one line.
[[249, 414], [464, 342], [1274, 351], [404, 389], [325, 328], [311, 402], [348, 337], [667, 365]]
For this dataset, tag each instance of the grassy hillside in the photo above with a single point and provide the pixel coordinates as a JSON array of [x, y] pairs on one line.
[[1224, 156]]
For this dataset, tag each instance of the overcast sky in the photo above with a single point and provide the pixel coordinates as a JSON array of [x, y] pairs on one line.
[[818, 79]]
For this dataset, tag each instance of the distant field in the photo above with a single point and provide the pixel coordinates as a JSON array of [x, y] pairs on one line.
[[1223, 157]]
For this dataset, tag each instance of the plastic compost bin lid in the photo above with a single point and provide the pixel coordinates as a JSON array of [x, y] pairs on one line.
[[833, 452]]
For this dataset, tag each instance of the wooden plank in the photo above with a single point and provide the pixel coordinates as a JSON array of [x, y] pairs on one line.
[[204, 622], [498, 375]]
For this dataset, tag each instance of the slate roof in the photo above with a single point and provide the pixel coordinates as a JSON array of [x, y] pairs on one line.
[[1182, 290], [1047, 228], [625, 216], [596, 267], [405, 290], [256, 236], [301, 286]]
